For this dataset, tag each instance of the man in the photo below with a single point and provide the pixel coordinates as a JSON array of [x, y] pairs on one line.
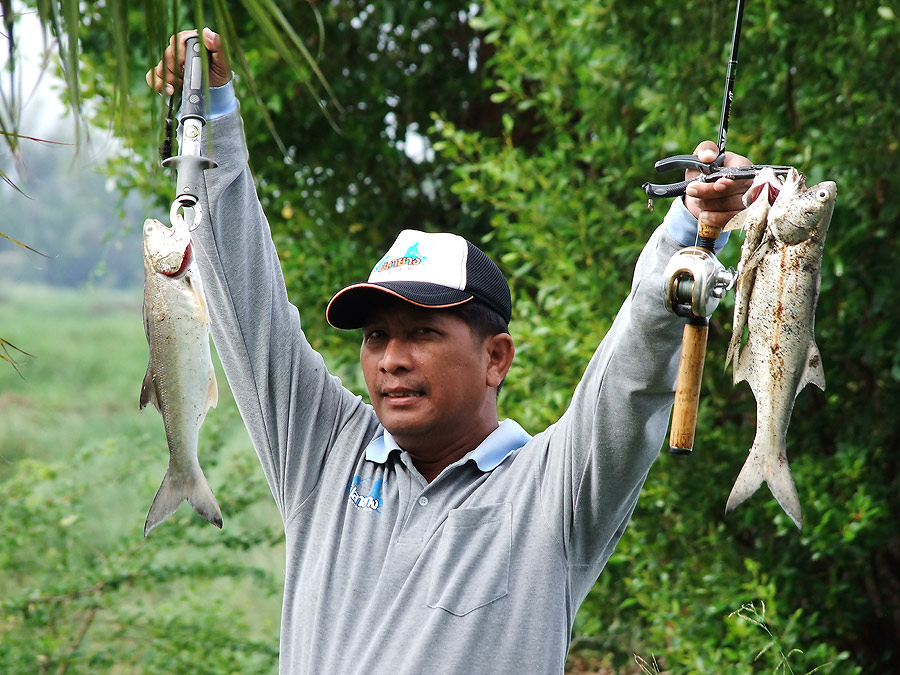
[[423, 535]]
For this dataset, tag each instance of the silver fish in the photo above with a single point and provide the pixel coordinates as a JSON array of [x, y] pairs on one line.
[[781, 356], [764, 190], [180, 379]]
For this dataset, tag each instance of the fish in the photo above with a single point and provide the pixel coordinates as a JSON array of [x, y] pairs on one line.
[[780, 356], [759, 197], [180, 381]]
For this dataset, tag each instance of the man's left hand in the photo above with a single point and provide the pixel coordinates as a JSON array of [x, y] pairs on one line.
[[716, 203]]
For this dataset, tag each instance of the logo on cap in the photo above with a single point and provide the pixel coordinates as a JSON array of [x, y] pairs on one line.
[[411, 257]]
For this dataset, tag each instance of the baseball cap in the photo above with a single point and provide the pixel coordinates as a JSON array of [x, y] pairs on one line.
[[428, 269]]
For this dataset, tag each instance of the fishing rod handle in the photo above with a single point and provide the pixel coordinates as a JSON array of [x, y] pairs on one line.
[[690, 367], [687, 389], [708, 234], [192, 88]]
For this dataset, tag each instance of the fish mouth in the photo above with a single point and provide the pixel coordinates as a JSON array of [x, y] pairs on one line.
[[186, 260], [771, 189]]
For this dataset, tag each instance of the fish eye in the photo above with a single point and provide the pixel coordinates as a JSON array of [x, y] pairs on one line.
[[822, 195]]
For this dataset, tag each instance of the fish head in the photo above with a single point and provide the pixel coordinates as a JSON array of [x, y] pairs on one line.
[[806, 216], [167, 250], [794, 183]]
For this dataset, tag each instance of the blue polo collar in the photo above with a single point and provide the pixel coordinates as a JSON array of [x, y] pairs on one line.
[[502, 441]]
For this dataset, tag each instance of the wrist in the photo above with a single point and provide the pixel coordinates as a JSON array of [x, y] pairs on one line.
[[222, 100], [681, 225]]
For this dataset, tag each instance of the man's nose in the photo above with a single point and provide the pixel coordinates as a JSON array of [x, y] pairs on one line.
[[396, 356]]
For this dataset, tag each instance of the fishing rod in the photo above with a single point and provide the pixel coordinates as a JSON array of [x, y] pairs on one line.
[[695, 279], [683, 162], [190, 163]]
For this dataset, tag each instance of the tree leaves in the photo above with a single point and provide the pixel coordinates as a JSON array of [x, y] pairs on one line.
[[544, 119]]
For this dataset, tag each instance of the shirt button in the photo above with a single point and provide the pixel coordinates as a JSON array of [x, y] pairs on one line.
[[423, 501]]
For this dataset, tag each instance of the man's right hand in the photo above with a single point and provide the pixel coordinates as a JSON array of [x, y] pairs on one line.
[[167, 75]]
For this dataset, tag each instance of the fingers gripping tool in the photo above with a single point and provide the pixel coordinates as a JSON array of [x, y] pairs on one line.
[[190, 163]]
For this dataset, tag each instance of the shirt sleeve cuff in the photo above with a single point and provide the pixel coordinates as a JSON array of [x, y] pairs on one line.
[[222, 100], [682, 226]]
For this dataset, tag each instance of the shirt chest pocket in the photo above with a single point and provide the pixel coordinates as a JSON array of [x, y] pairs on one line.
[[471, 567]]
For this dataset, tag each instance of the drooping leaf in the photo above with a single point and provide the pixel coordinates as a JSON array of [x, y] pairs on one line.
[[19, 243]]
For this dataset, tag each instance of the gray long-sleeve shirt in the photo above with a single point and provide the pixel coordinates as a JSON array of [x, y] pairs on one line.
[[483, 569]]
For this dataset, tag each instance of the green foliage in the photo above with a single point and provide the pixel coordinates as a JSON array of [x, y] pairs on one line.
[[70, 604], [80, 589], [543, 119], [612, 88], [757, 617]]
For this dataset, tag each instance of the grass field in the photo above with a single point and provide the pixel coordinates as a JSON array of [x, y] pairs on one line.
[[81, 465], [79, 390], [87, 351]]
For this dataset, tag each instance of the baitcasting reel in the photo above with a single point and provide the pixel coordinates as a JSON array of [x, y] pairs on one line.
[[695, 282]]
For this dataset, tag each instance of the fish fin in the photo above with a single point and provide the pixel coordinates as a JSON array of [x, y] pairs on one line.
[[812, 371], [773, 468], [738, 222], [146, 319], [148, 391], [734, 347], [212, 394], [741, 303], [178, 486], [749, 267], [781, 484], [195, 283], [742, 364]]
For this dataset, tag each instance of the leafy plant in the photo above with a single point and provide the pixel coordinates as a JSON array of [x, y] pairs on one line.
[[757, 617], [539, 121]]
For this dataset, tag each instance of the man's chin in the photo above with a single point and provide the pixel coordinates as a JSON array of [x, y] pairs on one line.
[[404, 429]]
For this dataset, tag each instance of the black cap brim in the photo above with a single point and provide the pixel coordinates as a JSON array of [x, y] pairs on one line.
[[350, 306]]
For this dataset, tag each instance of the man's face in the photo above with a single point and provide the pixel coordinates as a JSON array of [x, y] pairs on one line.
[[429, 376]]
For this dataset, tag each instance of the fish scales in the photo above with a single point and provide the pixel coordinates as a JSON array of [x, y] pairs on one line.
[[780, 356], [180, 380]]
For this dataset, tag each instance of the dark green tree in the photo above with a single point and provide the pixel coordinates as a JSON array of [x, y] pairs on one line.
[[544, 118]]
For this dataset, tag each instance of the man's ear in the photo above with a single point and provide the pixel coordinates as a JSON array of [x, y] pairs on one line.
[[500, 350]]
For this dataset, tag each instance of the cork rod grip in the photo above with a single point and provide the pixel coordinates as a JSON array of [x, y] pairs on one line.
[[687, 390], [690, 368], [706, 230]]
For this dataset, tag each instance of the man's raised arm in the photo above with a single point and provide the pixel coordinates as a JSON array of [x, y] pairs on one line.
[[293, 409], [599, 453]]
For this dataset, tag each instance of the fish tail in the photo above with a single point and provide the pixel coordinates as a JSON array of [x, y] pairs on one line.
[[781, 484], [773, 468], [178, 486], [748, 480]]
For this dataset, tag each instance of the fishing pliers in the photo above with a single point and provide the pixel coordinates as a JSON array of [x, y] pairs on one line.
[[709, 173]]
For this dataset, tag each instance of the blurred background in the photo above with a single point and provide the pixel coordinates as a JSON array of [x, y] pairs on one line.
[[529, 127]]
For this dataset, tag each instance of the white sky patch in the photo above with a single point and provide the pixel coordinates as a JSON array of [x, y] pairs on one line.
[[416, 146], [36, 87]]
